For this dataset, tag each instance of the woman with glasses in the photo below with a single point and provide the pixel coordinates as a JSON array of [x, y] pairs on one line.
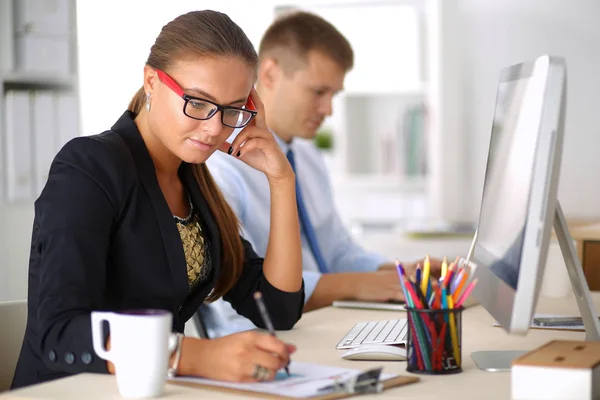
[[131, 218]]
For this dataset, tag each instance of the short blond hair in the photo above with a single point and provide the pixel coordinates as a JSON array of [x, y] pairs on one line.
[[293, 35]]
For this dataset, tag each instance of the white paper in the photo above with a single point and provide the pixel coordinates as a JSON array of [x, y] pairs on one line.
[[304, 381]]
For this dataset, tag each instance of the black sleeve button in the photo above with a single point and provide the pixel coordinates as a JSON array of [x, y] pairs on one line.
[[52, 355], [86, 357], [69, 358]]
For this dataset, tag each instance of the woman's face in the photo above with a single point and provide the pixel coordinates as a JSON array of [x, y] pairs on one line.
[[226, 81]]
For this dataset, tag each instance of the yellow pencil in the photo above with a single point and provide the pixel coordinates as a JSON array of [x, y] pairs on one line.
[[444, 267], [425, 280], [453, 331]]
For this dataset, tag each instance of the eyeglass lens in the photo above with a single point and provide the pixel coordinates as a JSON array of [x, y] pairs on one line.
[[231, 117]]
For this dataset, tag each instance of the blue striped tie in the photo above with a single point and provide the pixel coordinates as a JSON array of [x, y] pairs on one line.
[[307, 227]]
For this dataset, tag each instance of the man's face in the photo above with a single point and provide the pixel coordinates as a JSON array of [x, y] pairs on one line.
[[303, 98]]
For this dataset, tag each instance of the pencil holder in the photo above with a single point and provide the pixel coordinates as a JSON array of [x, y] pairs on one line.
[[434, 341]]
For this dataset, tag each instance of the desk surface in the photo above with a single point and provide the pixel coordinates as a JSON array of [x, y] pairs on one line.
[[316, 336]]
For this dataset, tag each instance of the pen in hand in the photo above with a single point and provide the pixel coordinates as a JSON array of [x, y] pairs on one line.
[[266, 319]]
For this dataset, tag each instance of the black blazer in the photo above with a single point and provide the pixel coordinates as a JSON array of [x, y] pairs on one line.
[[105, 239]]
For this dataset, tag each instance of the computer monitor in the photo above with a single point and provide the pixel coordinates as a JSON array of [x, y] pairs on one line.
[[519, 203]]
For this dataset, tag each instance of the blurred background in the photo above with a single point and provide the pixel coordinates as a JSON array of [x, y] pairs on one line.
[[407, 143]]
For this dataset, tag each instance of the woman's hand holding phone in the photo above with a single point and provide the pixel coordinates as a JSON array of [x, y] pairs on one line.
[[256, 146]]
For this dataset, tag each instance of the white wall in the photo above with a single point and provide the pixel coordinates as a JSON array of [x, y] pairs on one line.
[[114, 46], [500, 33], [3, 264], [447, 187], [16, 222]]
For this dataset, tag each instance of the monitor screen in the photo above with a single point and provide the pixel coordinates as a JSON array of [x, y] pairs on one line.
[[505, 200]]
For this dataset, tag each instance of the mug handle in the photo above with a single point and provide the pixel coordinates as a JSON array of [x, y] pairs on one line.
[[172, 343], [98, 317]]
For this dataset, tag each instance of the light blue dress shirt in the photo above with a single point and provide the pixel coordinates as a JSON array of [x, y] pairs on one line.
[[247, 192]]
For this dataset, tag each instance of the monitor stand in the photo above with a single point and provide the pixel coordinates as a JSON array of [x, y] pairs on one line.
[[502, 360]]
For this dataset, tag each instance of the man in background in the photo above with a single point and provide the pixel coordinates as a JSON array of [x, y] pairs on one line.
[[303, 62]]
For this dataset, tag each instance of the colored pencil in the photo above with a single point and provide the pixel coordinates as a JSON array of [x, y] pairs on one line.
[[460, 285], [426, 271], [466, 293], [444, 268], [453, 333]]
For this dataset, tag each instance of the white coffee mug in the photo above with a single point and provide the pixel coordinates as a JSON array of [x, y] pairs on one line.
[[139, 349]]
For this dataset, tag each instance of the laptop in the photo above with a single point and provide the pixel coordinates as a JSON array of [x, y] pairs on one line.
[[391, 305]]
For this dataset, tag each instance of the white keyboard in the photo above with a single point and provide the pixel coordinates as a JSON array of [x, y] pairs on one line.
[[375, 332]]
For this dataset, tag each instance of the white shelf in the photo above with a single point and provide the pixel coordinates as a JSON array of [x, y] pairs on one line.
[[415, 91], [15, 78], [380, 182], [48, 96]]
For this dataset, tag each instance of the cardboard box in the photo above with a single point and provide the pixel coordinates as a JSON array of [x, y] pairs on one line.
[[559, 369]]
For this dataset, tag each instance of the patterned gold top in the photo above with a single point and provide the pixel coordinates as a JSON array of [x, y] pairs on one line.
[[196, 248]]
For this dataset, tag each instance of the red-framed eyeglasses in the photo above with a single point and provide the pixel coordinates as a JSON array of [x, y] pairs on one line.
[[203, 109]]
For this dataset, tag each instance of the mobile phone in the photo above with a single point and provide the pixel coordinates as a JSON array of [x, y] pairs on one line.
[[558, 321], [250, 105]]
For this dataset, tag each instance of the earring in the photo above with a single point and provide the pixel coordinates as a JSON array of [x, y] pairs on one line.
[[147, 101]]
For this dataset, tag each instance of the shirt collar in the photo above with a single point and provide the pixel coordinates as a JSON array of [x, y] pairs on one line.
[[285, 147]]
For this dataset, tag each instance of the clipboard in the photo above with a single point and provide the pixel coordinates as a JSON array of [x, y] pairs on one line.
[[354, 384]]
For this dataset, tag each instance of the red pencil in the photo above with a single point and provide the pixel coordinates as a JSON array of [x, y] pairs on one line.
[[416, 348], [439, 351]]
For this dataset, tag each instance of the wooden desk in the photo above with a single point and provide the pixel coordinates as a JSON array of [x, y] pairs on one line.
[[316, 336]]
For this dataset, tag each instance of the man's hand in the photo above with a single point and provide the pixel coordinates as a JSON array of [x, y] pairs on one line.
[[367, 286], [411, 267], [387, 266], [379, 286]]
